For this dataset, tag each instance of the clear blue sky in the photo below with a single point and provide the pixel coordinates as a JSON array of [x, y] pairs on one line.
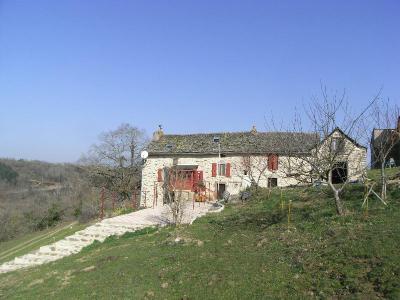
[[72, 69]]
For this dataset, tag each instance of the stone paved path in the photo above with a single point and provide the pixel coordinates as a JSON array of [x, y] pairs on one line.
[[100, 231]]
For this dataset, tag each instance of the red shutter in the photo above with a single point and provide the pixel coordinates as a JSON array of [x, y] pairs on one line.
[[214, 170], [270, 162], [159, 175], [273, 162], [228, 170], [200, 175]]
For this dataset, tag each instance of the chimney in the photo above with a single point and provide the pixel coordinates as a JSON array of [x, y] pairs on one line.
[[253, 130], [158, 134]]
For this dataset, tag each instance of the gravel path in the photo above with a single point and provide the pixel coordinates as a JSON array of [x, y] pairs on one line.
[[157, 216]]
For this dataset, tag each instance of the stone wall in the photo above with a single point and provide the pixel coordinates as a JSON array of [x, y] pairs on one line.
[[234, 184]]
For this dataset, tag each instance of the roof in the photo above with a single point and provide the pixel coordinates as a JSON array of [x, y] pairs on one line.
[[337, 129], [234, 143]]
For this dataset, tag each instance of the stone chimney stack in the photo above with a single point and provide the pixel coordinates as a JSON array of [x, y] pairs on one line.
[[158, 133]]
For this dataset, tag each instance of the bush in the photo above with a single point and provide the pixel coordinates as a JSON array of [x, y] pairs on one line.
[[8, 174]]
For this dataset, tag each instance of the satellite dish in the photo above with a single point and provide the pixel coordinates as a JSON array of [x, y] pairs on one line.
[[144, 154]]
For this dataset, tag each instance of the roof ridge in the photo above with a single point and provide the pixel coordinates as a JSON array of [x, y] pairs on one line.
[[237, 132]]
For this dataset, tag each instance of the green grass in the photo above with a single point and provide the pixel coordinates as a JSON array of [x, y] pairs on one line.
[[375, 174], [33, 241], [245, 252]]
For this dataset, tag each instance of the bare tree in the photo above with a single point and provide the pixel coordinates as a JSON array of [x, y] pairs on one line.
[[174, 196], [385, 137], [337, 130], [253, 168], [114, 162]]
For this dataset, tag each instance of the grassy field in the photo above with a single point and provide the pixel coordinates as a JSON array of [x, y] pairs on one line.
[[33, 241], [249, 251]]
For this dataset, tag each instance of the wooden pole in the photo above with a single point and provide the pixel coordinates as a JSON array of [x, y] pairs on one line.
[[289, 213]]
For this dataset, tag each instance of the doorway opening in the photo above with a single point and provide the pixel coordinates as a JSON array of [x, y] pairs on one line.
[[221, 188], [339, 173]]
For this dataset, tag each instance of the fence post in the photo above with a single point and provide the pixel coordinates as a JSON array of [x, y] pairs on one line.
[[289, 213]]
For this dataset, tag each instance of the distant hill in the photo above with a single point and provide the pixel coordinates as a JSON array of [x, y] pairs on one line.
[[35, 195], [34, 172]]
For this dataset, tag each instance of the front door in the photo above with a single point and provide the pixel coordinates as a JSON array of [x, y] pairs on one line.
[[221, 187]]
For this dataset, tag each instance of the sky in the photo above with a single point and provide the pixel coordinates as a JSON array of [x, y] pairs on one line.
[[70, 70]]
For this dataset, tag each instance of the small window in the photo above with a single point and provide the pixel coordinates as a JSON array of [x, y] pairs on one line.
[[245, 172], [272, 182], [222, 169], [337, 145]]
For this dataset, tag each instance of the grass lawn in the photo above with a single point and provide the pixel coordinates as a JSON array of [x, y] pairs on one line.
[[23, 245], [247, 251], [376, 173]]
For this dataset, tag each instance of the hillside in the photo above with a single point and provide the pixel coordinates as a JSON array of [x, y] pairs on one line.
[[248, 251], [36, 195]]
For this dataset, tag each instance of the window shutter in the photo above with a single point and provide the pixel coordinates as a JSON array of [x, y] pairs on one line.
[[270, 162], [228, 170], [214, 170], [159, 175], [201, 176]]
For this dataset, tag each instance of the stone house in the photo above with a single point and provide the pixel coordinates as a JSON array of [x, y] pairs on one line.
[[384, 138], [231, 161]]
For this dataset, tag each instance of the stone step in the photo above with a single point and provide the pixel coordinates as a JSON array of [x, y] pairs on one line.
[[29, 260], [79, 238], [69, 247], [46, 251], [115, 225], [103, 231]]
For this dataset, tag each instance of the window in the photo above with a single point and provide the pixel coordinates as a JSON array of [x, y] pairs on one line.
[[222, 169], [272, 182], [337, 145]]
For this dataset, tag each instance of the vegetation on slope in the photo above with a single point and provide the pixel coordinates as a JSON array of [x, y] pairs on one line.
[[248, 251], [33, 241], [37, 195]]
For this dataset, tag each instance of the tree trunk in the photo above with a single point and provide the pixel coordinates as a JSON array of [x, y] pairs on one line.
[[383, 180], [336, 193], [338, 203]]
